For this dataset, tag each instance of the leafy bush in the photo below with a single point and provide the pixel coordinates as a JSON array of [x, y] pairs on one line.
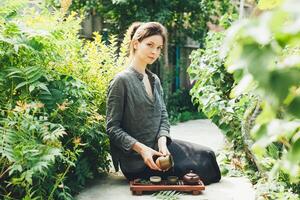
[[212, 87], [265, 51], [234, 106], [211, 92], [52, 102], [180, 107]]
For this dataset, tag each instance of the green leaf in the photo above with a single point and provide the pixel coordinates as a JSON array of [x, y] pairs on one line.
[[294, 106], [31, 88], [43, 86], [243, 86], [258, 61], [268, 4], [266, 115], [34, 76], [282, 80], [295, 152], [273, 131], [21, 85], [273, 151], [14, 71], [31, 69], [167, 195]]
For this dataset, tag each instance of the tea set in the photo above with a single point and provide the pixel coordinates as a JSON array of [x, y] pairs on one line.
[[167, 162]]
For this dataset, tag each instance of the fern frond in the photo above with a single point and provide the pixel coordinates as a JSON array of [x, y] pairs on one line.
[[24, 76], [167, 195], [45, 160], [6, 143], [7, 7], [54, 133]]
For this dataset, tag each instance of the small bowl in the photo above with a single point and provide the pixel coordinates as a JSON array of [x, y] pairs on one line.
[[155, 179], [172, 179], [165, 162]]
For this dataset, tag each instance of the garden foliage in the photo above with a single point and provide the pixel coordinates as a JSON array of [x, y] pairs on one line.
[[52, 102], [182, 18], [251, 93], [265, 51], [212, 86]]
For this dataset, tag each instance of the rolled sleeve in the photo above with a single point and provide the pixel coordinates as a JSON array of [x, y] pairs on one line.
[[114, 115], [164, 129]]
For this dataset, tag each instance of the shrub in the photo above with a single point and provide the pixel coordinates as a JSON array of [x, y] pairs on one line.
[[229, 90], [211, 91], [180, 107], [52, 103], [269, 60]]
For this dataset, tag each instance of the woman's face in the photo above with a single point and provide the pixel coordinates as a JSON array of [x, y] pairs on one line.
[[149, 49]]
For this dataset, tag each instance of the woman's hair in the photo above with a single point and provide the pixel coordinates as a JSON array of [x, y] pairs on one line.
[[139, 31]]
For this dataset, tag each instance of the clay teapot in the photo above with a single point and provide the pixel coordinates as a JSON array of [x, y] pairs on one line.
[[191, 178]]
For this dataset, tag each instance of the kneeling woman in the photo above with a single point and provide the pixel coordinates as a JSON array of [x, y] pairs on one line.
[[137, 120]]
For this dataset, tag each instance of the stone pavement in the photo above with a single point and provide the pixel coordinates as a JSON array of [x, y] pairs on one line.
[[115, 187]]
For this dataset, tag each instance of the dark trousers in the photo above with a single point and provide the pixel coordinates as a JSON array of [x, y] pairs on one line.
[[187, 156]]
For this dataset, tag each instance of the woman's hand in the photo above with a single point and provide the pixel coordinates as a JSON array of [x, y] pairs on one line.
[[162, 146], [147, 153]]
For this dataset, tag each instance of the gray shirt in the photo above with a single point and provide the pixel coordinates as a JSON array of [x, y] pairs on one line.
[[133, 116]]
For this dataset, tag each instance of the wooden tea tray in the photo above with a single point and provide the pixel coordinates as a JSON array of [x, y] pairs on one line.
[[139, 188]]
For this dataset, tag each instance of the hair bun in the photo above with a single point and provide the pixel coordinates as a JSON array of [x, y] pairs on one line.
[[132, 29]]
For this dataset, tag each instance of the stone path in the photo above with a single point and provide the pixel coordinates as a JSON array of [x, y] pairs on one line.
[[115, 187]]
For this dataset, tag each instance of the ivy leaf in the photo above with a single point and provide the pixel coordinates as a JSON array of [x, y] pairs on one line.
[[266, 115], [243, 86], [273, 131], [282, 80], [259, 60]]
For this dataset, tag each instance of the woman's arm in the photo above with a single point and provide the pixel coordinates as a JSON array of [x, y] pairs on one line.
[[114, 115], [164, 129], [162, 145], [147, 153]]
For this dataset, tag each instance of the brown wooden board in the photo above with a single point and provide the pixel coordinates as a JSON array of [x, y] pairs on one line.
[[139, 188]]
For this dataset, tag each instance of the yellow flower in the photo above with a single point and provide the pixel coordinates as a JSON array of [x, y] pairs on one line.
[[98, 117], [39, 105], [21, 106], [63, 106], [77, 141], [65, 4]]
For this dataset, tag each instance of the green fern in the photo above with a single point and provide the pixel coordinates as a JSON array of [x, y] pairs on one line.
[[167, 195], [27, 76], [8, 8], [7, 138], [29, 146]]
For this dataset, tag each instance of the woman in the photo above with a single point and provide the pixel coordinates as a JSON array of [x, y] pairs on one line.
[[137, 119]]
